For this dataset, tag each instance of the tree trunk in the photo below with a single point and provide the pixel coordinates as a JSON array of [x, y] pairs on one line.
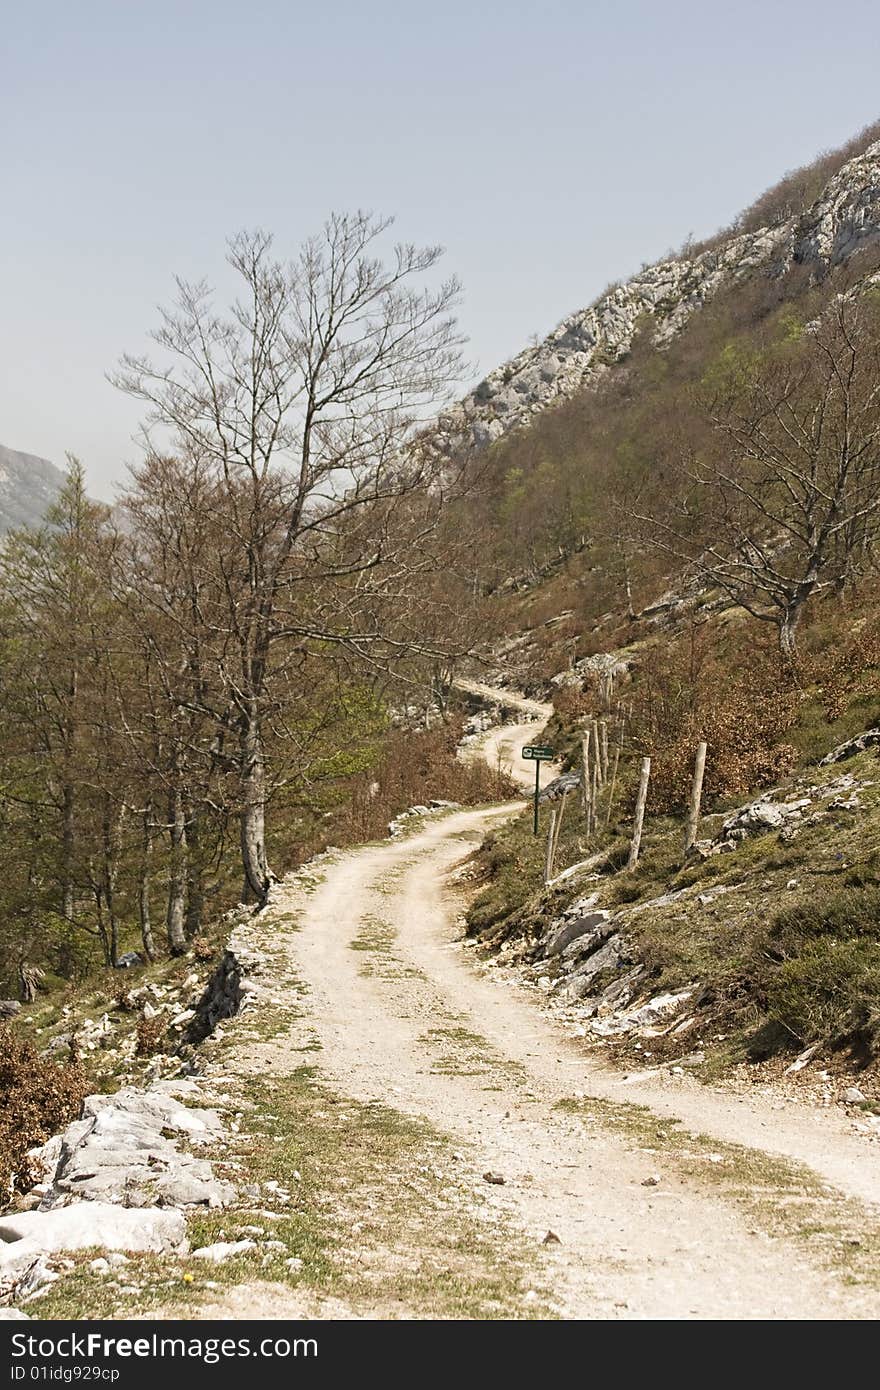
[[253, 810], [109, 851], [175, 915], [67, 852], [68, 812], [787, 631], [195, 895], [102, 926], [144, 886]]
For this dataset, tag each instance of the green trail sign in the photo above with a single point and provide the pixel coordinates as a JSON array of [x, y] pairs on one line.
[[537, 753]]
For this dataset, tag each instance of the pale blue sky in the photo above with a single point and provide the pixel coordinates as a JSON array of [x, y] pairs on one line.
[[550, 147]]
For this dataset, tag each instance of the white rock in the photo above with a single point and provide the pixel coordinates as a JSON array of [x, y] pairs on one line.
[[223, 1250], [26, 1277], [88, 1224], [661, 1006], [802, 1060], [45, 1158]]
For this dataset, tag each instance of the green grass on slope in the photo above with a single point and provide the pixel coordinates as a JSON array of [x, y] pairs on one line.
[[783, 935]]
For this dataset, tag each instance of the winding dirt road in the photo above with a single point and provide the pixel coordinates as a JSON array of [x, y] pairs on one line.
[[397, 1010], [425, 1030], [502, 746]]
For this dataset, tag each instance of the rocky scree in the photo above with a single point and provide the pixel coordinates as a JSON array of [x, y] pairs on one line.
[[123, 1176]]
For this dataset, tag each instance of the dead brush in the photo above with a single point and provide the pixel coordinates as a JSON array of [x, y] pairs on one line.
[[741, 705], [150, 1034], [124, 1000], [37, 1099]]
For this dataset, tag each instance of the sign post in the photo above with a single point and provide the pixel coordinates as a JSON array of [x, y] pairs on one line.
[[537, 753]]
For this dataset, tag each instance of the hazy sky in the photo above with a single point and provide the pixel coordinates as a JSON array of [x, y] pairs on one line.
[[551, 147]]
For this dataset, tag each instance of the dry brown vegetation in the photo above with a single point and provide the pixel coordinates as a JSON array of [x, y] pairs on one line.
[[800, 188], [688, 692], [37, 1099], [416, 768]]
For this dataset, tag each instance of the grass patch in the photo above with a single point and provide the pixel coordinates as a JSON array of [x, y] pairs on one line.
[[461, 1052], [376, 938], [509, 866], [782, 932], [367, 1200]]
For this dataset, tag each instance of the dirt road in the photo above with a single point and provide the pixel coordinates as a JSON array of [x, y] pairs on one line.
[[505, 699], [502, 746], [502, 749], [645, 1230]]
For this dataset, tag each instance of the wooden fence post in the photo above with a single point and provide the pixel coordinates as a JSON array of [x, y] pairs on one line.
[[597, 752], [551, 835], [693, 818], [585, 780], [638, 821], [557, 830], [620, 726]]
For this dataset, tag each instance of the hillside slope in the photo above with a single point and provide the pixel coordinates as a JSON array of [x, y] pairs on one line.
[[843, 218], [28, 487], [759, 943]]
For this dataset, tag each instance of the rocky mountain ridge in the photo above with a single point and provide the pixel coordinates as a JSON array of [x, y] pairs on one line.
[[845, 218], [28, 487]]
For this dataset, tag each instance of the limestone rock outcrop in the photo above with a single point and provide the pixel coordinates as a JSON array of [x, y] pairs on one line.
[[586, 345]]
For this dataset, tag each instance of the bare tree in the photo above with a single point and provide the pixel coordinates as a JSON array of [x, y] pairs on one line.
[[305, 399], [786, 504]]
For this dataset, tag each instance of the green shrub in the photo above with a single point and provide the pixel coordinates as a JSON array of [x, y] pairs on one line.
[[843, 913], [819, 966], [830, 993]]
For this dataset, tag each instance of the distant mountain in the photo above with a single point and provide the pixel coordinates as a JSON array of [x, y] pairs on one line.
[[28, 487]]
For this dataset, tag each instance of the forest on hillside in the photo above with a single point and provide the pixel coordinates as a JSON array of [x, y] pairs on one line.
[[197, 681], [740, 467]]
